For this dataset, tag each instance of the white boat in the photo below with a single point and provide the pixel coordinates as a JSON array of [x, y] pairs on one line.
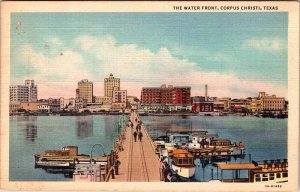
[[178, 141], [201, 140], [183, 163], [173, 142]]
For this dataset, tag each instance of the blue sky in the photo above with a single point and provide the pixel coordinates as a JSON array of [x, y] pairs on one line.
[[236, 54]]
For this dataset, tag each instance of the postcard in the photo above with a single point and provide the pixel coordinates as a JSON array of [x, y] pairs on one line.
[[149, 96]]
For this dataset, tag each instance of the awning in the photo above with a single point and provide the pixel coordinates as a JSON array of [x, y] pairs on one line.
[[237, 166]]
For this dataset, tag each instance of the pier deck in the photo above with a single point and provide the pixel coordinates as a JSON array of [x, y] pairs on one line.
[[139, 163]]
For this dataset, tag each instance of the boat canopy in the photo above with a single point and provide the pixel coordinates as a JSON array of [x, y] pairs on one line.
[[181, 153], [237, 166], [208, 136], [184, 131]]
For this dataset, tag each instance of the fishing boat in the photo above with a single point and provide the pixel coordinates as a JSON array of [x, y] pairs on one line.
[[183, 163], [273, 171]]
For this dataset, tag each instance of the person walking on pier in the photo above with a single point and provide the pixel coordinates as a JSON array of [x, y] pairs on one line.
[[131, 125], [140, 136], [116, 166], [134, 135]]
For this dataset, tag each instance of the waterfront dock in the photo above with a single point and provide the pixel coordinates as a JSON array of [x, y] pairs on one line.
[[138, 161]]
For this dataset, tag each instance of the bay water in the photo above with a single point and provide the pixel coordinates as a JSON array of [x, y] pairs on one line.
[[264, 138]]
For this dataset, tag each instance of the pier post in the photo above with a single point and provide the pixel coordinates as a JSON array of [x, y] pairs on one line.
[[222, 175], [100, 171], [212, 174], [112, 173], [107, 165], [111, 157], [249, 157]]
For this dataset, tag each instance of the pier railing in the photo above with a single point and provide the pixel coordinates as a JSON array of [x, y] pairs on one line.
[[118, 146]]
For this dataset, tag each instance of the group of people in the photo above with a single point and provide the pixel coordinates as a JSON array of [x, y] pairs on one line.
[[137, 134], [272, 164], [241, 145], [166, 172], [204, 143]]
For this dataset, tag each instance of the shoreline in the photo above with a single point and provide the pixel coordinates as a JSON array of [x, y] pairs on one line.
[[149, 114]]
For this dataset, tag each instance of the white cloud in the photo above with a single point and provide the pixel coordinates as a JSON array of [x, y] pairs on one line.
[[136, 66], [264, 44], [56, 74], [56, 41]]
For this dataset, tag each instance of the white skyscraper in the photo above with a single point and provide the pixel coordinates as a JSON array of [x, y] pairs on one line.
[[27, 92], [32, 90], [111, 84]]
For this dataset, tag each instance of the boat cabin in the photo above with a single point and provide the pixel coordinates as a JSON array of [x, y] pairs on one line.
[[258, 176], [55, 153], [199, 137], [256, 172], [183, 158], [180, 139], [220, 142], [66, 151]]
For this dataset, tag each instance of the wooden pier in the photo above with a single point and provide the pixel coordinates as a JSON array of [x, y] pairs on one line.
[[138, 161]]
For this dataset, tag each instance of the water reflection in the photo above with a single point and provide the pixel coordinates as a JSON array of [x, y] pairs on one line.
[[159, 127], [84, 126], [29, 124], [111, 123]]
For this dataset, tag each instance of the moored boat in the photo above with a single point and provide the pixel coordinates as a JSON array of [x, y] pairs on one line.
[[269, 172], [68, 157], [183, 163]]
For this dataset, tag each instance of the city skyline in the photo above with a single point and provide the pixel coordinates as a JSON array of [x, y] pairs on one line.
[[223, 50], [204, 94]]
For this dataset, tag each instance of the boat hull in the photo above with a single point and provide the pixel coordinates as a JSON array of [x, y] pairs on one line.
[[186, 172], [52, 164]]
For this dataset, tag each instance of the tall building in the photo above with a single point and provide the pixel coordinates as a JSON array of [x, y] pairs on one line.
[[26, 93], [150, 95], [85, 90], [111, 84], [119, 96], [32, 90], [182, 95], [166, 95], [18, 93]]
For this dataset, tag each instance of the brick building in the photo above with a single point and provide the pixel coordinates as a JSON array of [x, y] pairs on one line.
[[151, 95], [166, 95], [182, 95]]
